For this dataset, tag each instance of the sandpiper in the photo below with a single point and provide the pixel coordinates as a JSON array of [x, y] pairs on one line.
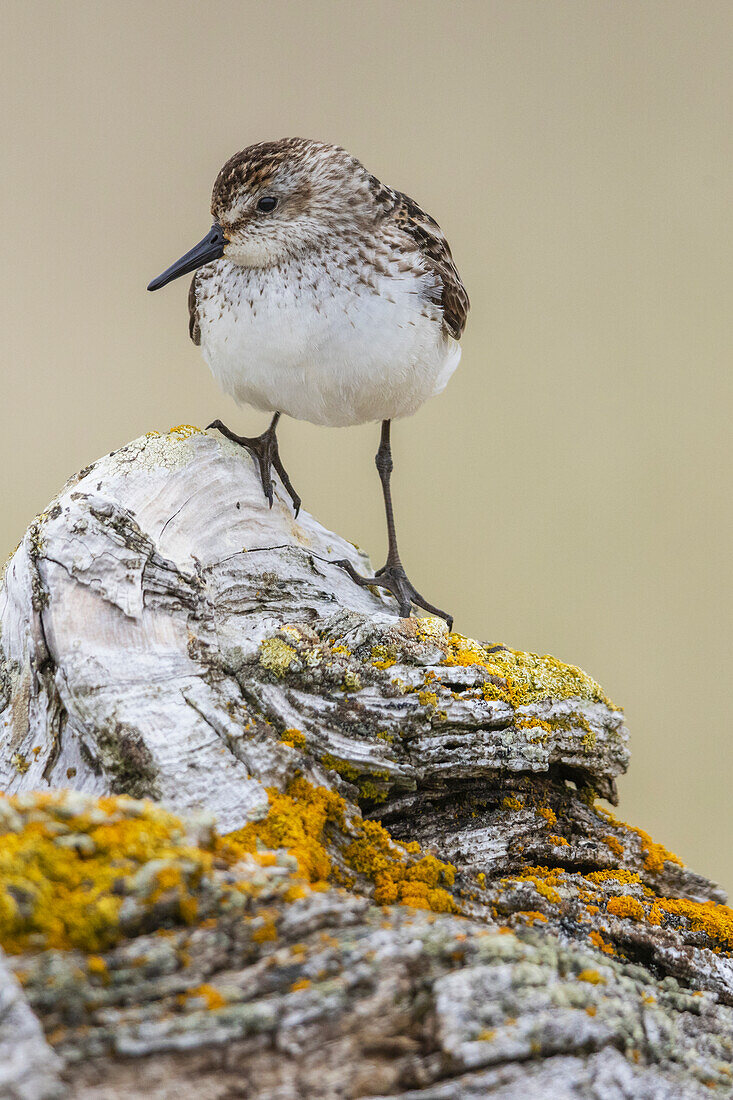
[[321, 293]]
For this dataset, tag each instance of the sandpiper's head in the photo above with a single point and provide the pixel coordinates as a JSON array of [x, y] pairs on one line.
[[279, 199]]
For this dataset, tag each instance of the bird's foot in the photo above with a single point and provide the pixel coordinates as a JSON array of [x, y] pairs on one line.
[[264, 451], [392, 576]]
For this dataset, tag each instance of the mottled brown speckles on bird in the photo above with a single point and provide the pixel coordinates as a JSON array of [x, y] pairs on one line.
[[386, 232]]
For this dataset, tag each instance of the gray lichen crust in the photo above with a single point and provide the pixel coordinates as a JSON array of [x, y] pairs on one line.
[[163, 635], [160, 629]]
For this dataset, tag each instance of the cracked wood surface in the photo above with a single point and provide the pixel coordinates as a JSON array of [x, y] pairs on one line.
[[164, 635]]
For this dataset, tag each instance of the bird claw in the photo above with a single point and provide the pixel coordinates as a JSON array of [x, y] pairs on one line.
[[393, 577], [264, 451]]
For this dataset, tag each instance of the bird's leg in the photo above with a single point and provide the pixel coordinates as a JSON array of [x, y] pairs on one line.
[[392, 575], [264, 450]]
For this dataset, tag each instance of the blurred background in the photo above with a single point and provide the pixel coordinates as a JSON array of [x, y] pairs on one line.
[[570, 491]]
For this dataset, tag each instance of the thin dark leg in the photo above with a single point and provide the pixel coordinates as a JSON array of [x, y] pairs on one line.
[[264, 450], [392, 575]]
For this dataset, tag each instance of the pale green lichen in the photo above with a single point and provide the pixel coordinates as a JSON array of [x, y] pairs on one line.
[[20, 763], [277, 656]]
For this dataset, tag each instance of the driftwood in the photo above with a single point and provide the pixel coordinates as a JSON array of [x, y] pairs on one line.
[[418, 896]]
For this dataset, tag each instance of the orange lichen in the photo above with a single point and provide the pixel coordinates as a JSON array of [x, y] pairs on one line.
[[212, 996], [626, 907], [511, 803], [97, 965], [618, 874], [532, 915], [297, 821], [558, 841], [614, 844], [420, 884], [598, 941], [716, 921], [549, 815], [543, 879], [591, 976], [306, 818], [302, 983], [655, 855]]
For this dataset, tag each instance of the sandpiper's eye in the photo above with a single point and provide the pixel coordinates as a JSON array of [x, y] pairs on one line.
[[267, 204]]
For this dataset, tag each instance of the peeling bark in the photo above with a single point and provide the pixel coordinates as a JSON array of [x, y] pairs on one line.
[[163, 634]]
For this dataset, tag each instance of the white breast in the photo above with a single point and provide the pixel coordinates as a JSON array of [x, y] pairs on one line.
[[323, 341]]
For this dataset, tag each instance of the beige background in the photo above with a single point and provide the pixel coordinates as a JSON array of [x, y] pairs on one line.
[[570, 490]]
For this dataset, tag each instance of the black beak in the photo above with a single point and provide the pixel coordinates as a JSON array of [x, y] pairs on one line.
[[210, 248]]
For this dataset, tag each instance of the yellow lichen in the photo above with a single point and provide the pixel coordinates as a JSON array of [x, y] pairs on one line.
[[344, 768], [372, 791], [302, 983], [419, 884], [591, 976], [211, 996], [63, 874], [296, 821], [543, 879], [183, 431], [530, 678], [549, 815], [295, 738], [266, 931], [383, 656]]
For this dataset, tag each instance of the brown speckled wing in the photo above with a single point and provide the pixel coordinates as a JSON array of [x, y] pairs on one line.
[[194, 330], [405, 213]]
